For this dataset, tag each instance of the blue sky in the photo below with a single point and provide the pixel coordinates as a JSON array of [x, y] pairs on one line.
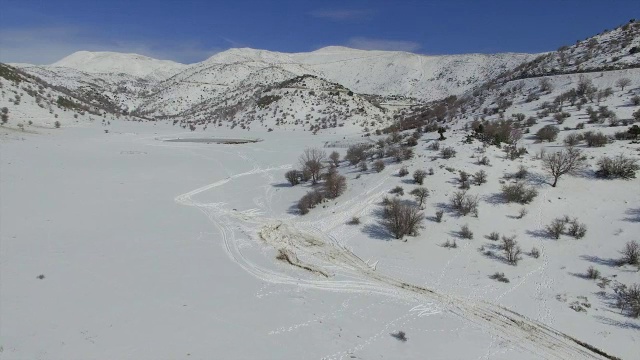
[[191, 30]]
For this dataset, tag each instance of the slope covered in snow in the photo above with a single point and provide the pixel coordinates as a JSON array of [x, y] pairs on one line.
[[105, 62]]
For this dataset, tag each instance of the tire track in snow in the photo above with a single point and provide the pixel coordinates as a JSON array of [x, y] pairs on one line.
[[311, 244]]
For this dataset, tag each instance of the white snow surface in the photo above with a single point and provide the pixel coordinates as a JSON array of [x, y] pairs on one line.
[[153, 249], [120, 63]]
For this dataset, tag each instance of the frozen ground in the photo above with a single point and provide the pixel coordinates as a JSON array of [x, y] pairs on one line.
[[152, 249]]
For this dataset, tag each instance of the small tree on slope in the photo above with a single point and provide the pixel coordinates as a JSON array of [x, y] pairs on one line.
[[569, 161]]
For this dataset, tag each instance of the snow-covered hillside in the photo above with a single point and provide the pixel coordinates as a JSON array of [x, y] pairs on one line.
[[117, 63], [155, 88]]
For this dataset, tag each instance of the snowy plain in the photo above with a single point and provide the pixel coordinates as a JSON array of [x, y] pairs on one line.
[[153, 249]]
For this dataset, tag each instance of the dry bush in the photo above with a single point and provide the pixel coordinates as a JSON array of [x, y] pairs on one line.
[[518, 192], [629, 300], [465, 203], [619, 166], [439, 215], [418, 176], [334, 185], [631, 253], [593, 273], [511, 249], [448, 152], [576, 229], [480, 177], [402, 219], [378, 165], [548, 133], [293, 177], [465, 232]]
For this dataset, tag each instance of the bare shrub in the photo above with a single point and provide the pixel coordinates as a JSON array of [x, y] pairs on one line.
[[439, 215], [534, 253], [619, 166], [398, 190], [629, 300], [465, 203], [356, 153], [403, 171], [402, 219], [499, 276], [593, 273], [597, 139], [569, 161], [521, 173], [450, 244], [354, 221], [518, 192], [309, 201], [573, 139], [484, 161], [378, 165], [556, 228], [448, 152], [511, 249], [293, 177], [334, 185], [576, 229], [495, 236], [418, 176], [480, 177], [363, 166], [522, 213], [631, 253], [465, 232], [434, 146]]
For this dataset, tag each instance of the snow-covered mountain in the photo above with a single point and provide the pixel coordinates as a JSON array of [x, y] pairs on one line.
[[164, 89], [105, 62]]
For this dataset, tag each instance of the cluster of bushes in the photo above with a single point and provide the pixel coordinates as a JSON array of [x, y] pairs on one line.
[[619, 166], [548, 133], [518, 192], [628, 300], [498, 131], [312, 162], [559, 226], [465, 203], [401, 218]]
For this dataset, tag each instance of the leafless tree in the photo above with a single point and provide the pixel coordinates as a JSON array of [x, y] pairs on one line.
[[420, 194], [622, 82], [545, 85], [334, 185], [569, 161], [312, 161]]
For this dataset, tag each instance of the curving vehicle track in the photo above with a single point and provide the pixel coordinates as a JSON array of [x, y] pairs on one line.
[[325, 263]]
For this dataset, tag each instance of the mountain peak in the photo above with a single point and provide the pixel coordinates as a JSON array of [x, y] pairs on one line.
[[125, 63]]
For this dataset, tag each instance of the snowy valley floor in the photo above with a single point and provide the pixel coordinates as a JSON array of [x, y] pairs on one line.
[[167, 250]]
